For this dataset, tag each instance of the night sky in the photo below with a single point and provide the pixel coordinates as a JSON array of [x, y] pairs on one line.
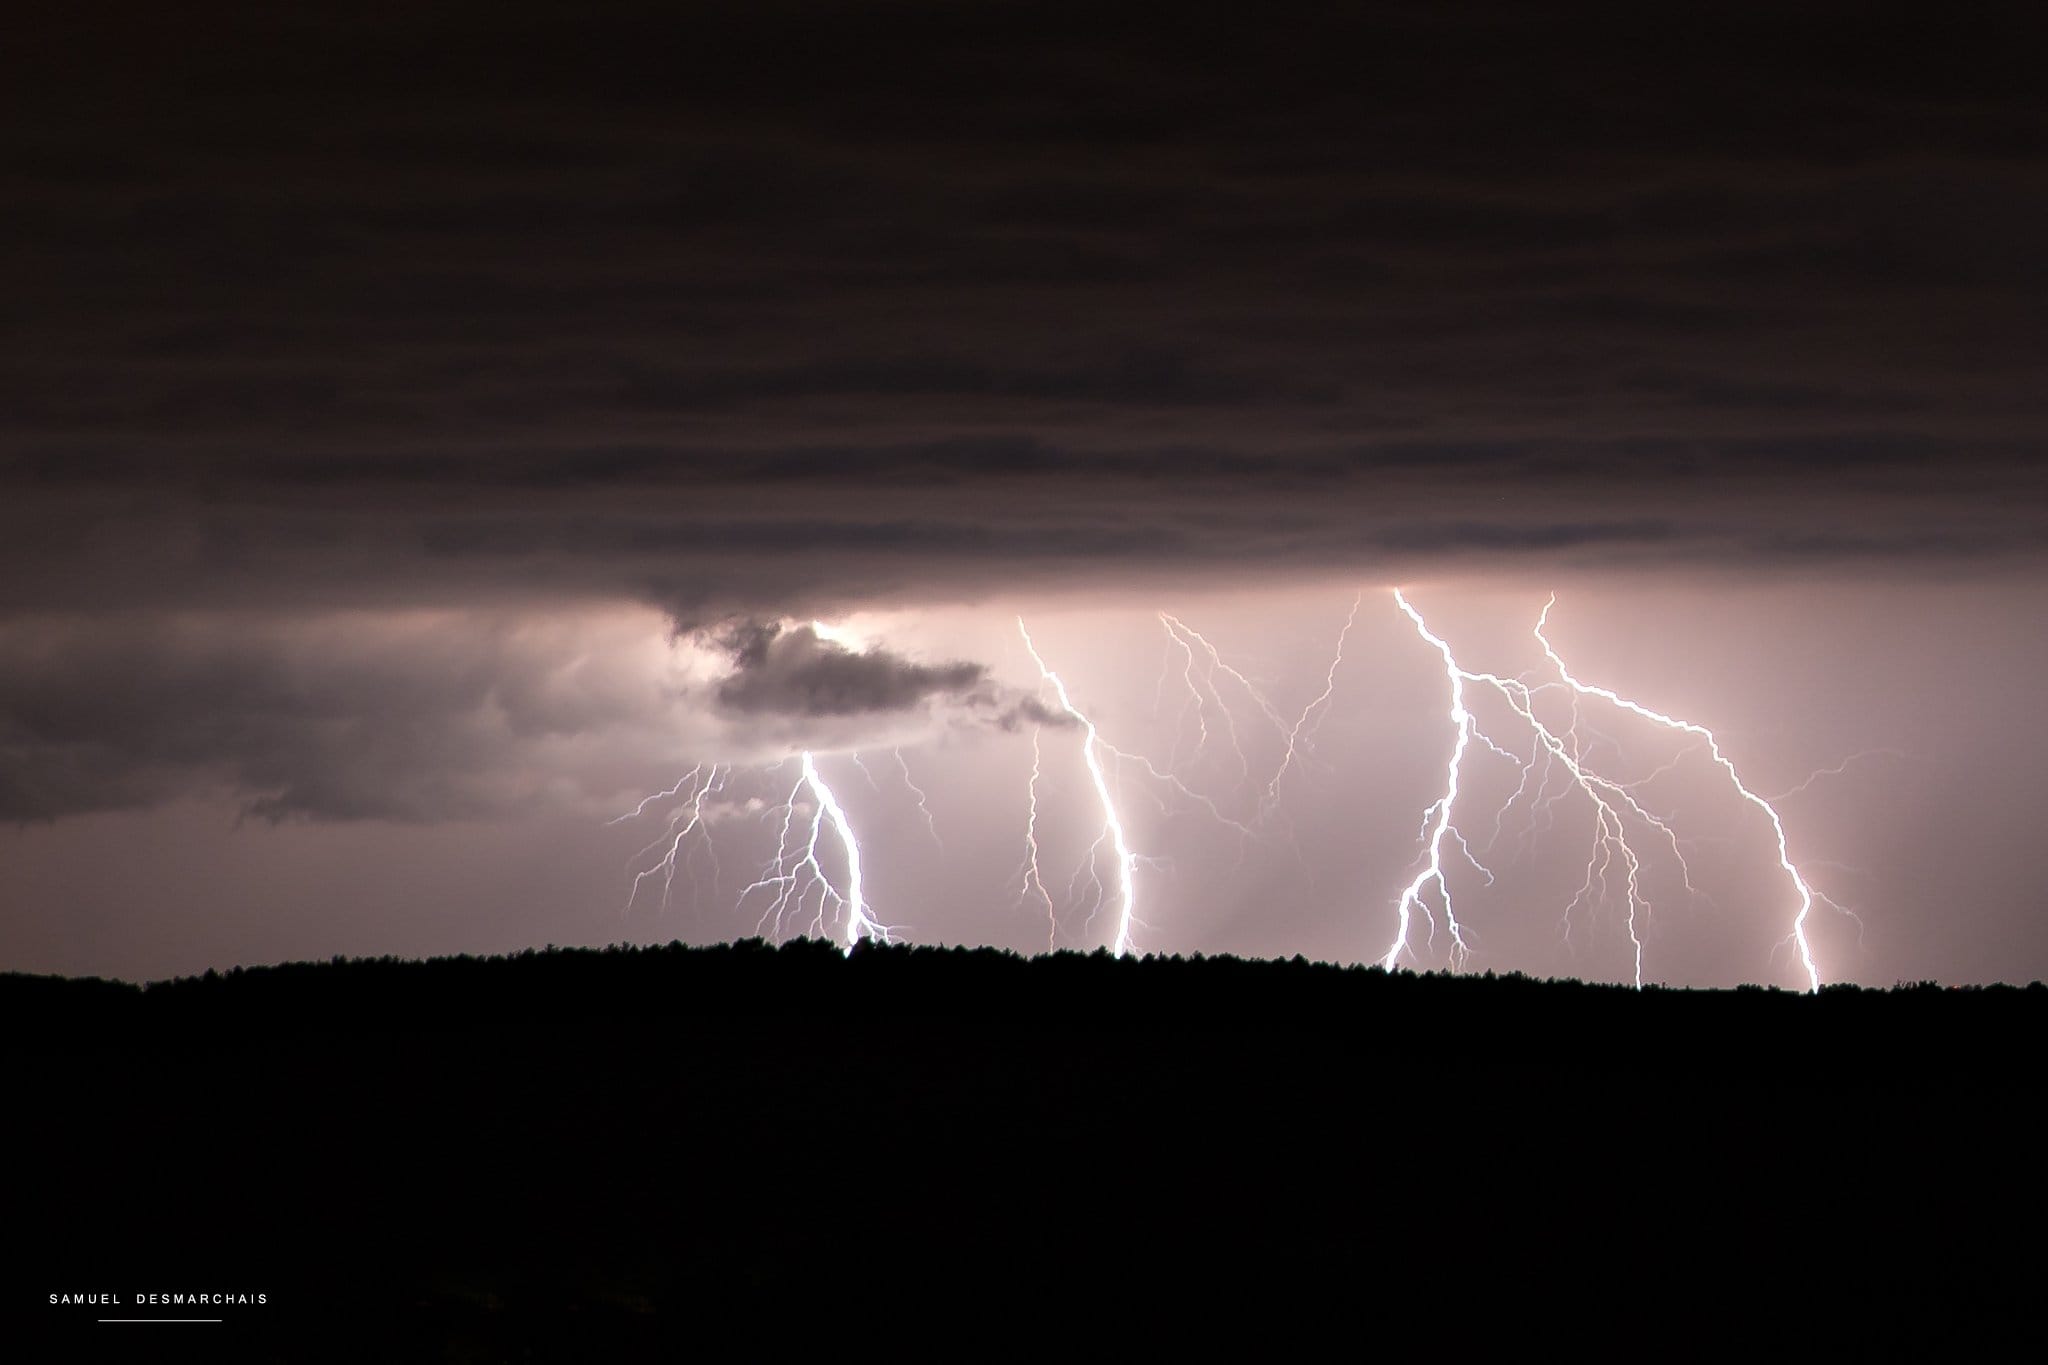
[[432, 428]]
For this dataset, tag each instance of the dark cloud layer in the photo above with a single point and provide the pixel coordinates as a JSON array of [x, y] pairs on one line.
[[425, 719], [429, 716], [745, 307]]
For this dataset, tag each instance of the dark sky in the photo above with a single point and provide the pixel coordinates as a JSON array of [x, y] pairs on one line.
[[377, 380]]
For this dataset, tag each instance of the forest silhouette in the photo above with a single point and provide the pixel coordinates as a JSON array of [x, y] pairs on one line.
[[566, 1153]]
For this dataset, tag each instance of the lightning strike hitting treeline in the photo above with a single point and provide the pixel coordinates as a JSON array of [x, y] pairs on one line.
[[799, 893], [1614, 803], [1438, 819], [1804, 892], [795, 872], [1094, 749], [1112, 822], [795, 875], [1609, 800]]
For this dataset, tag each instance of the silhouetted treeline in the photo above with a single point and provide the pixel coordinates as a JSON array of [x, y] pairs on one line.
[[563, 1154], [548, 988]]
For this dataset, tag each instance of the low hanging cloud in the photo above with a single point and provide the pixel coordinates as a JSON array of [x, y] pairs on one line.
[[794, 674], [406, 716], [419, 717], [793, 671]]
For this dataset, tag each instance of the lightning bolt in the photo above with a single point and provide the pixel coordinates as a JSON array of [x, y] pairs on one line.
[[1194, 704], [1612, 804], [1301, 732], [865, 772], [797, 887], [1804, 893], [1187, 638], [1439, 811], [685, 820], [924, 807], [1836, 771], [1610, 800], [1615, 804], [795, 873], [1294, 735], [1112, 823], [1033, 879]]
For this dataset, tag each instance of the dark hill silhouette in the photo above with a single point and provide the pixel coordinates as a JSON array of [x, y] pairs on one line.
[[572, 1154]]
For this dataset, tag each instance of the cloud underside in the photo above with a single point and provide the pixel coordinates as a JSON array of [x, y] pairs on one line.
[[793, 672], [770, 303], [710, 552], [763, 311]]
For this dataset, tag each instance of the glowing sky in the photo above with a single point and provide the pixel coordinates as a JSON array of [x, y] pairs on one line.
[[494, 759], [402, 477]]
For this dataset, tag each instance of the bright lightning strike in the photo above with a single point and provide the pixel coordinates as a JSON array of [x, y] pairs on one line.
[[796, 874], [1804, 892], [1615, 804], [1112, 823], [1439, 811], [1612, 804]]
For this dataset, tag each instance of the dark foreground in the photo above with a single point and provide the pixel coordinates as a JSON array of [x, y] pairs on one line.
[[579, 1156]]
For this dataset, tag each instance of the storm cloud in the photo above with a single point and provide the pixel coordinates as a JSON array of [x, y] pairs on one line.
[[780, 306], [793, 672], [424, 716], [408, 717]]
